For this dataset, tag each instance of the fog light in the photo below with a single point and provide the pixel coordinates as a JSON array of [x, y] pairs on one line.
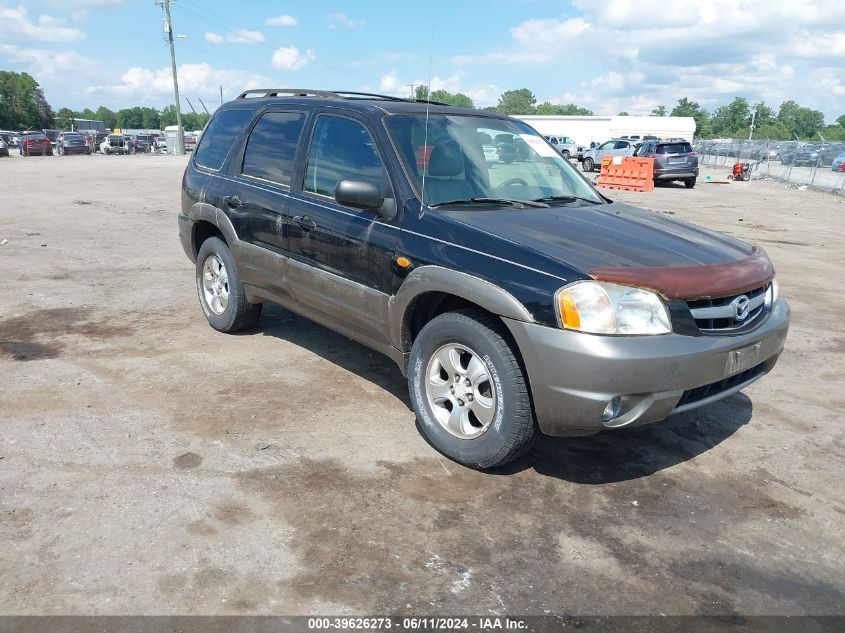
[[611, 410]]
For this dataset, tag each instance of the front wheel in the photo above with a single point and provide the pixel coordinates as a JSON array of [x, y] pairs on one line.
[[469, 391], [221, 292], [566, 154], [588, 164]]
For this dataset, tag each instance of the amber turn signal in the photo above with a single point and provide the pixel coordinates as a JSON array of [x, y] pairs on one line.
[[403, 262]]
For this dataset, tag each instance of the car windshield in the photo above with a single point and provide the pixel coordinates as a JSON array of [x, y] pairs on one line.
[[456, 167]]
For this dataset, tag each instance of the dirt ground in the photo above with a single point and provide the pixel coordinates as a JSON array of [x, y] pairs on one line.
[[150, 465]]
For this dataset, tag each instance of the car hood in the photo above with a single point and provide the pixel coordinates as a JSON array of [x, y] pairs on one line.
[[624, 243]]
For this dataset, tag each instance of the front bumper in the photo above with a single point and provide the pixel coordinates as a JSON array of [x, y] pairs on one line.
[[574, 375]]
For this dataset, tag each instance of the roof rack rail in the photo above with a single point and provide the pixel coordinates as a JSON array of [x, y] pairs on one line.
[[292, 92], [361, 95]]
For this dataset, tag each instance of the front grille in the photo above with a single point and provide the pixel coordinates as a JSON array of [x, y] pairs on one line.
[[719, 315], [691, 396]]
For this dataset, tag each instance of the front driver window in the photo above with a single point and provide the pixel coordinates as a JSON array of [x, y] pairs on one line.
[[341, 149]]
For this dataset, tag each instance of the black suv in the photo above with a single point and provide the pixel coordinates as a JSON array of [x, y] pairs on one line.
[[515, 297], [673, 160]]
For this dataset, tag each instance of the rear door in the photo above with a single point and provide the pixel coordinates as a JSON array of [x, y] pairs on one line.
[[341, 257]]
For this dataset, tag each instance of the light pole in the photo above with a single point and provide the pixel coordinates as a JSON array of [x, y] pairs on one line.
[[168, 26]]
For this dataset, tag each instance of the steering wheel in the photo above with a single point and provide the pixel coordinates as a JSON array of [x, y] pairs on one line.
[[511, 182]]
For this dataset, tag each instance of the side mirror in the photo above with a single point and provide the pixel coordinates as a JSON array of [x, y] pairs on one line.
[[359, 194]]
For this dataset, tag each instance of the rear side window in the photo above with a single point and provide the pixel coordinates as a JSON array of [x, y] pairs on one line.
[[674, 148], [271, 147], [341, 149], [219, 136]]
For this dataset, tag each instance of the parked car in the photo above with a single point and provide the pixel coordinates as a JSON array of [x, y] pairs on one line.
[[190, 142], [838, 163], [491, 154], [161, 143], [142, 143], [511, 148], [615, 147], [566, 146], [673, 160], [806, 156], [35, 143], [72, 143], [114, 144], [4, 147], [515, 297], [53, 135]]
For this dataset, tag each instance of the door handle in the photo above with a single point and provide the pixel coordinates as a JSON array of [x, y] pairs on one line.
[[305, 223], [233, 201]]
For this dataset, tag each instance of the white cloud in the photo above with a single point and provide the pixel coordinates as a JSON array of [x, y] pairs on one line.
[[213, 38], [343, 21], [17, 27], [44, 63], [147, 85], [291, 58], [281, 20], [245, 36], [652, 52]]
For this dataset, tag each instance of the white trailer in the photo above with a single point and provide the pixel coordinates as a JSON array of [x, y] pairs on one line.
[[596, 129]]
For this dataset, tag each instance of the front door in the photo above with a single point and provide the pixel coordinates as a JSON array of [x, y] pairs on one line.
[[341, 257]]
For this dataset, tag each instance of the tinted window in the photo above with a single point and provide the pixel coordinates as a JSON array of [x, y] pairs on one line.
[[674, 148], [272, 145], [219, 136], [341, 149]]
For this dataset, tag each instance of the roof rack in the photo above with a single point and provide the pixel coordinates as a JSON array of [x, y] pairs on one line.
[[291, 92], [326, 94]]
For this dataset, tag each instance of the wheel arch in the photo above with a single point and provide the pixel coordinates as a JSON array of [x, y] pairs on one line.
[[432, 290], [209, 221]]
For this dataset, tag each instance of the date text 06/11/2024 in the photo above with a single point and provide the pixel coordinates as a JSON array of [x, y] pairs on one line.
[[416, 623]]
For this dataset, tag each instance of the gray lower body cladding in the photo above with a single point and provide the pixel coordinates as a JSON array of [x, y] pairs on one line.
[[574, 375]]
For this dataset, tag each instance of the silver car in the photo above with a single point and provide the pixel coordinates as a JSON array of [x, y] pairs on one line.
[[615, 147]]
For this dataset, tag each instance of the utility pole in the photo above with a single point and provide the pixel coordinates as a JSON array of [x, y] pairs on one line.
[[168, 25]]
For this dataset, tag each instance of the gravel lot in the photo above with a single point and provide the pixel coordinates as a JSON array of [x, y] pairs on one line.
[[150, 465]]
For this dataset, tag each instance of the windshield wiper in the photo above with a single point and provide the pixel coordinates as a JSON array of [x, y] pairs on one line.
[[563, 198], [514, 203]]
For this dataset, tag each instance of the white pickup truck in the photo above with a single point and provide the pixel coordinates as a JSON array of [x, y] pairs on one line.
[[566, 146]]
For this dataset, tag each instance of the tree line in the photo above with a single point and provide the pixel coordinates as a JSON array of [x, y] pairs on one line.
[[23, 106]]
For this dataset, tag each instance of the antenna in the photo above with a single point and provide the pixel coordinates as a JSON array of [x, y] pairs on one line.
[[426, 154]]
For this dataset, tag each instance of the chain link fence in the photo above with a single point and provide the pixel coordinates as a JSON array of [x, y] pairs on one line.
[[815, 165]]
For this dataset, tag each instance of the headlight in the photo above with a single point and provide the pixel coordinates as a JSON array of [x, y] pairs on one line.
[[773, 292], [599, 307]]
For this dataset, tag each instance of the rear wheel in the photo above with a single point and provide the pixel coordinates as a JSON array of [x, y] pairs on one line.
[[566, 154], [469, 391], [588, 164], [689, 183], [221, 292]]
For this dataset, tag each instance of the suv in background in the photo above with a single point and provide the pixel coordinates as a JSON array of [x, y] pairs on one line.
[[673, 160], [515, 297], [566, 146], [114, 144], [615, 147]]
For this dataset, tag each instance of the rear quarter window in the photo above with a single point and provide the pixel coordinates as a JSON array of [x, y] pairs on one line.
[[217, 139]]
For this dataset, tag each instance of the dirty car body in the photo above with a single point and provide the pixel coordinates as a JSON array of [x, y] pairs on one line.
[[615, 316]]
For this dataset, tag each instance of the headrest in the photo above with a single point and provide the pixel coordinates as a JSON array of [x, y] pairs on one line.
[[446, 160]]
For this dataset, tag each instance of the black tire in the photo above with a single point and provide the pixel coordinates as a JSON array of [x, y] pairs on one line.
[[689, 183], [513, 427], [239, 314], [588, 164], [566, 154]]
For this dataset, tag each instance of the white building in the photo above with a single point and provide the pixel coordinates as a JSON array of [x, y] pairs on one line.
[[586, 129]]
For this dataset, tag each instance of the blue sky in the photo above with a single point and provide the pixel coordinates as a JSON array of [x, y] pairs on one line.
[[609, 56]]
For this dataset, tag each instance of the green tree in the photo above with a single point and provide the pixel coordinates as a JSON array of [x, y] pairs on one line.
[[22, 102], [692, 109], [659, 111], [520, 101], [168, 116], [841, 120], [732, 120], [623, 113], [150, 119], [452, 98], [130, 118], [87, 113], [106, 116], [64, 118], [421, 93], [566, 109], [802, 121]]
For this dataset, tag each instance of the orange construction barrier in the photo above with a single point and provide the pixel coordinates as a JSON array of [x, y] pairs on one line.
[[629, 174]]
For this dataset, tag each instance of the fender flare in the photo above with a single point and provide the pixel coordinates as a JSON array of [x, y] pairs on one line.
[[204, 212], [438, 279]]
